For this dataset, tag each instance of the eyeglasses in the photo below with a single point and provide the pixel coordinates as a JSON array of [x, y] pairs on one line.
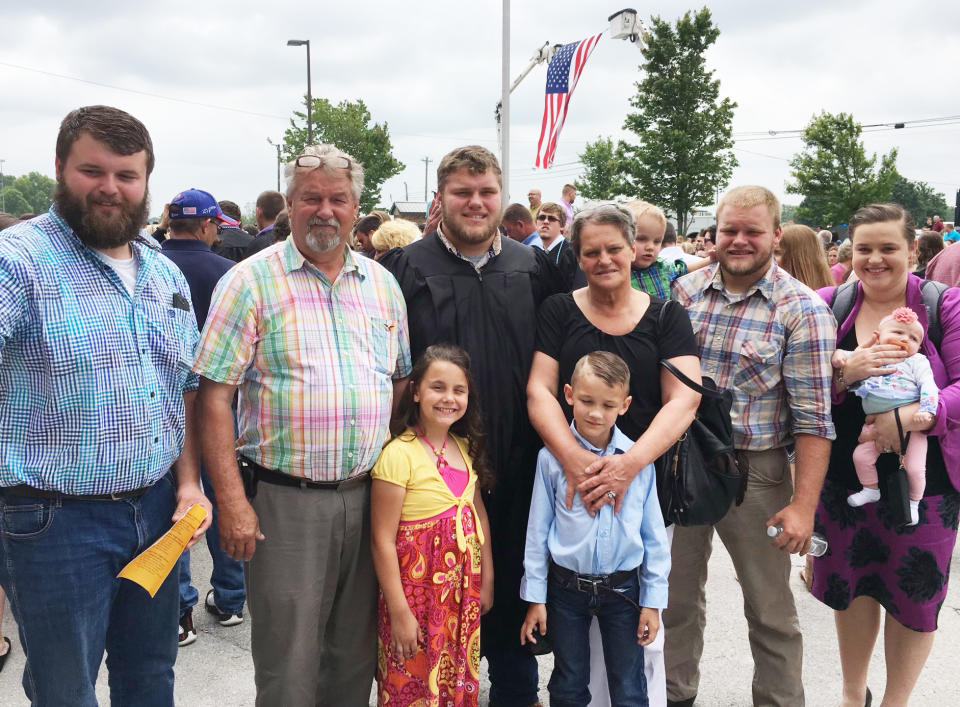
[[548, 217], [313, 161]]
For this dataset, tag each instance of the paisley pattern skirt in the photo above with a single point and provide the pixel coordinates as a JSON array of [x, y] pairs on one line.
[[442, 586]]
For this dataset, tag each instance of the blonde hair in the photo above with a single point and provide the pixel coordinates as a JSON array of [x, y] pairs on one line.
[[606, 366], [394, 234], [802, 256], [641, 208], [747, 197]]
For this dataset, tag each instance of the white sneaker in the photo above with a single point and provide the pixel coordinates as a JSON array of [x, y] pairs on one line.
[[223, 618], [914, 512], [188, 633]]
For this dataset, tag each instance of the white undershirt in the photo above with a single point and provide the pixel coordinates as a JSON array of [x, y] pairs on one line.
[[126, 269]]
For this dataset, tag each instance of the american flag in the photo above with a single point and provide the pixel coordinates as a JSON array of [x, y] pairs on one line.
[[563, 72]]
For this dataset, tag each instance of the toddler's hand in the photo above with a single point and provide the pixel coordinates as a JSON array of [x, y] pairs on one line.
[[923, 418], [649, 626]]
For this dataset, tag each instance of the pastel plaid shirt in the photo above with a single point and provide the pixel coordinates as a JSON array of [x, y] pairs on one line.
[[656, 279], [770, 346], [314, 360], [91, 377]]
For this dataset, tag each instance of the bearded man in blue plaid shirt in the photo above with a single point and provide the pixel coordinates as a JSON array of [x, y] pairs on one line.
[[97, 337], [767, 338]]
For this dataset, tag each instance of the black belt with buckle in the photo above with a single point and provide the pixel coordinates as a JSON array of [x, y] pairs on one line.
[[252, 474], [27, 491], [594, 583]]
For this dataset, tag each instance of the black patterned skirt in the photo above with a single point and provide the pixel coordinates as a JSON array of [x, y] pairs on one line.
[[905, 568]]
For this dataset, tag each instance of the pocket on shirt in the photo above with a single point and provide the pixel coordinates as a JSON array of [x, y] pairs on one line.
[[759, 368], [383, 350]]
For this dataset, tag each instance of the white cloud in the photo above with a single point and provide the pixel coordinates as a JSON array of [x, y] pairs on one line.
[[431, 70]]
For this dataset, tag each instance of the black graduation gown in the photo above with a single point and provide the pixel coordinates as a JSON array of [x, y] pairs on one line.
[[493, 316]]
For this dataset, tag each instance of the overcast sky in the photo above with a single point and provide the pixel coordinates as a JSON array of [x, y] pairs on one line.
[[212, 80]]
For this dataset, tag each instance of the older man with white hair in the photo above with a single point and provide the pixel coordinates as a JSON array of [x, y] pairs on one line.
[[315, 340]]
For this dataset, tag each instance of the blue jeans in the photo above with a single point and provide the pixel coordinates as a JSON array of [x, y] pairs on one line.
[[227, 577], [569, 613], [513, 676], [59, 560]]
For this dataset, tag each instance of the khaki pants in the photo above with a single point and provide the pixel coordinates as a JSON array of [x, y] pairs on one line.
[[764, 574], [312, 593]]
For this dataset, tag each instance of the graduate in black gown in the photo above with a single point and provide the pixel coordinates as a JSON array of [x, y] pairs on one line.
[[465, 285]]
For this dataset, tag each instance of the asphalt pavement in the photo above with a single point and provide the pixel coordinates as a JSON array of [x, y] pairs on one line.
[[217, 670]]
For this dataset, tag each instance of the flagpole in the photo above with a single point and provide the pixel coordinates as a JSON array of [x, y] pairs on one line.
[[505, 102]]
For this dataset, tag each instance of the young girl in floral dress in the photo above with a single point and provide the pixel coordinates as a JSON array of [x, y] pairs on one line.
[[428, 531]]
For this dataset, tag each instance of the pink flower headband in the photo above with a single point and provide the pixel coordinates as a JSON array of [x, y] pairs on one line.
[[904, 315]]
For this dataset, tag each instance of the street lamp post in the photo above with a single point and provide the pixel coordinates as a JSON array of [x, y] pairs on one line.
[[276, 145], [300, 43]]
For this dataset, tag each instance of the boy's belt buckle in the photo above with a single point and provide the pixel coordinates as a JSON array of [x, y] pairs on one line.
[[588, 585]]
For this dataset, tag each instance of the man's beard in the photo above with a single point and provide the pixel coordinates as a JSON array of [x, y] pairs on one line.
[[320, 241], [94, 230], [454, 229]]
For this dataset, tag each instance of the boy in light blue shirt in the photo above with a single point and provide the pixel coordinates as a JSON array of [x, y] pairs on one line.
[[613, 566]]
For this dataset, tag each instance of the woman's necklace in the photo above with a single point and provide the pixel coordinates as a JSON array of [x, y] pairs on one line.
[[438, 453]]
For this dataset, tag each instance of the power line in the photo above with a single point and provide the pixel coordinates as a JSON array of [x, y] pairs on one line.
[[142, 93]]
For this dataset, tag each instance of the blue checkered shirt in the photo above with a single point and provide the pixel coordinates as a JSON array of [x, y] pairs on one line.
[[770, 346], [91, 377]]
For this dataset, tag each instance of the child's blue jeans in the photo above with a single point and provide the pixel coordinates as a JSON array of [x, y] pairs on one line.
[[569, 613]]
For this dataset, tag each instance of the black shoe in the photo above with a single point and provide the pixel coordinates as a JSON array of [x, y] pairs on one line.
[[3, 658], [188, 633], [223, 617], [682, 703]]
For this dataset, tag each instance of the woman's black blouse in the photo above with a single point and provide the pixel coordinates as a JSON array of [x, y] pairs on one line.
[[565, 335]]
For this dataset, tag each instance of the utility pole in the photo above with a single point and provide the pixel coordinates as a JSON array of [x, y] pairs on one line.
[[276, 145], [426, 167], [505, 103]]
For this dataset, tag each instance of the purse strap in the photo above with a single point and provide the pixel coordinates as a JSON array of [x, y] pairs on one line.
[[676, 371]]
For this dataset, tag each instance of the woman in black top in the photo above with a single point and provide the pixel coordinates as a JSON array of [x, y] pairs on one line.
[[609, 315]]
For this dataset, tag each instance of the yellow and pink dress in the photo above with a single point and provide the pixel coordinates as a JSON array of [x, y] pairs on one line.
[[438, 546]]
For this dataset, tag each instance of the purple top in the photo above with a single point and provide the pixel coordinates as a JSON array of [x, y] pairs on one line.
[[944, 363]]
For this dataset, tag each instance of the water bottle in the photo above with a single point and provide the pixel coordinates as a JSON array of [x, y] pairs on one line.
[[818, 543]]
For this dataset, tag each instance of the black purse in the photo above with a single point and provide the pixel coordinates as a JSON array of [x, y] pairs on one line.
[[698, 477]]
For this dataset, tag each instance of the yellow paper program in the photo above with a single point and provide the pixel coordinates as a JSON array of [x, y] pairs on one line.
[[151, 567]]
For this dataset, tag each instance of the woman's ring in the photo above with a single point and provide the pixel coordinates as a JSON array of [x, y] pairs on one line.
[[611, 495]]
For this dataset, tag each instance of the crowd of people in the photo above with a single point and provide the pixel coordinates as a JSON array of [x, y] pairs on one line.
[[417, 448]]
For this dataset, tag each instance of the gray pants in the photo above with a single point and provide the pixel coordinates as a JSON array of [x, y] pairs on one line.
[[764, 574], [312, 594]]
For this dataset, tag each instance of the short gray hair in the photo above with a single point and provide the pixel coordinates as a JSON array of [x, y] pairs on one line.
[[327, 155], [607, 214]]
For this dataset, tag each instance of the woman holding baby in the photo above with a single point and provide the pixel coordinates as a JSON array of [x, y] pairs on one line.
[[881, 566]]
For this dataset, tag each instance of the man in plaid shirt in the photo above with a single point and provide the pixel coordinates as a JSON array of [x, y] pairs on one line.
[[96, 401], [768, 338], [313, 337]]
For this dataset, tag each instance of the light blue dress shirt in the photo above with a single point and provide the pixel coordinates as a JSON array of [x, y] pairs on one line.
[[534, 240], [600, 544]]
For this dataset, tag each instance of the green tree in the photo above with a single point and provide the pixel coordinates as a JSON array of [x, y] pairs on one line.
[[37, 189], [14, 202], [683, 156], [919, 198], [601, 178], [788, 212], [348, 126], [834, 174]]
